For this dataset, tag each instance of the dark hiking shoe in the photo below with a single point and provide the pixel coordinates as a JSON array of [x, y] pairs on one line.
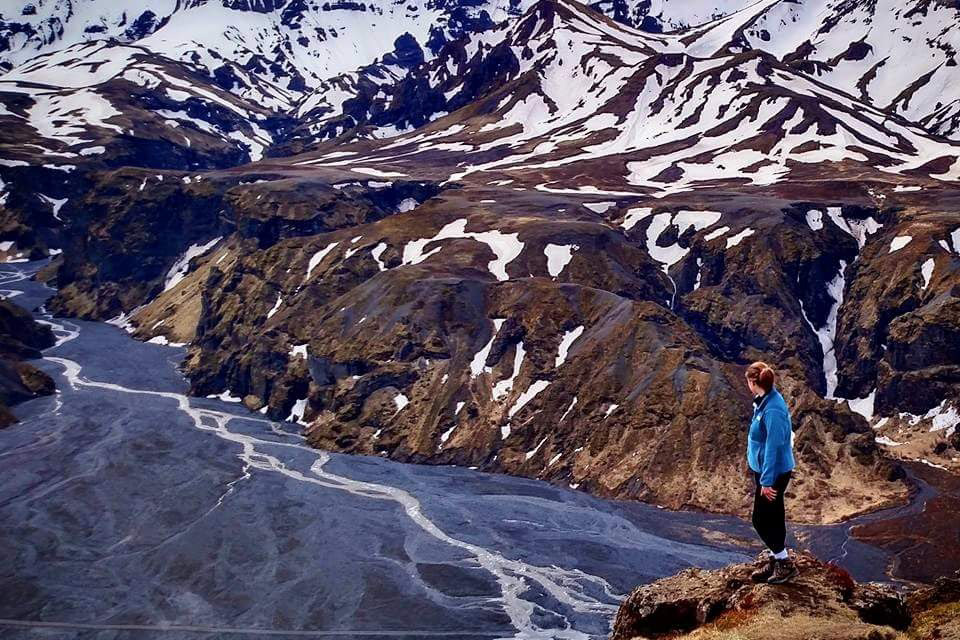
[[783, 571], [765, 570]]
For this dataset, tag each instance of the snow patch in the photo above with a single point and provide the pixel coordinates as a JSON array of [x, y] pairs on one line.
[[634, 216], [180, 268], [533, 452], [926, 270], [504, 386], [318, 257], [407, 204], [943, 417], [378, 173], [505, 246], [716, 233], [276, 306], [527, 396], [863, 406], [733, 241], [599, 207], [298, 411], [565, 343], [477, 365], [858, 229], [55, 204], [225, 397], [376, 252], [299, 351], [828, 331], [558, 257], [446, 435], [899, 243]]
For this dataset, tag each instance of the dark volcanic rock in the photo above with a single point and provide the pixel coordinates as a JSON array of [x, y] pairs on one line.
[[291, 208], [20, 336], [933, 535]]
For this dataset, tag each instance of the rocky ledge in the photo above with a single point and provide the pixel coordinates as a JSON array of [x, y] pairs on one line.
[[822, 602]]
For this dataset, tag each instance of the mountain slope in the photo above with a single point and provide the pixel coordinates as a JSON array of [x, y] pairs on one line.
[[898, 56], [863, 49], [81, 100], [21, 338]]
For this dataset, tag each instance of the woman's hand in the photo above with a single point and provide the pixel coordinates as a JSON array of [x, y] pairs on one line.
[[769, 493]]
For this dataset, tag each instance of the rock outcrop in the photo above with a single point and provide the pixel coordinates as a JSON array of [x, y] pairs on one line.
[[822, 602], [21, 338]]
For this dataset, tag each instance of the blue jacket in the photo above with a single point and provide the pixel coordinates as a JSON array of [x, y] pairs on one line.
[[770, 439]]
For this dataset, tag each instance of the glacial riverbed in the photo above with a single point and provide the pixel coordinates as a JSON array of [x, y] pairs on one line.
[[130, 510]]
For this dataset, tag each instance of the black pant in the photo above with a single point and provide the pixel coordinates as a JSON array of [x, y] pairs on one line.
[[769, 518]]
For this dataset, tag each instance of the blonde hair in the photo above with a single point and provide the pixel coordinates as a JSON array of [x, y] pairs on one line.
[[762, 375]]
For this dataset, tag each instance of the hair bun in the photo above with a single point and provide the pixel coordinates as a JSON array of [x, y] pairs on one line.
[[762, 375]]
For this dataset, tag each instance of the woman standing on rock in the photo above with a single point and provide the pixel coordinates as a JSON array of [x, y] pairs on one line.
[[770, 456]]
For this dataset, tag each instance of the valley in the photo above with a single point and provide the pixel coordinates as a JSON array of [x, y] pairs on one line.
[[451, 302]]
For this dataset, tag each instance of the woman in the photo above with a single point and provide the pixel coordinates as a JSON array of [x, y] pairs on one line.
[[770, 456]]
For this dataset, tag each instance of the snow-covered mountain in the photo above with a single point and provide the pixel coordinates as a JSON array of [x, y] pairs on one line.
[[289, 45], [899, 56], [297, 64], [829, 45], [297, 40], [894, 54], [81, 100], [561, 87]]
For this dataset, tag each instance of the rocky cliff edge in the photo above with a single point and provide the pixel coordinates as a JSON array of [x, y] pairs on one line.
[[823, 602]]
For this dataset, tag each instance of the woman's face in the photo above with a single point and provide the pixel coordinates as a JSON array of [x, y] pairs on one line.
[[754, 389]]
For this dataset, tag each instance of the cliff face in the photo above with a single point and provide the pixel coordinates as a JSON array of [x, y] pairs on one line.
[[21, 338], [822, 602]]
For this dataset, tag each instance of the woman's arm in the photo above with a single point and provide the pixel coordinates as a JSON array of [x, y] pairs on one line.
[[778, 435]]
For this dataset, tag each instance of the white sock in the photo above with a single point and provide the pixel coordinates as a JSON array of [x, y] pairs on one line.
[[782, 555]]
